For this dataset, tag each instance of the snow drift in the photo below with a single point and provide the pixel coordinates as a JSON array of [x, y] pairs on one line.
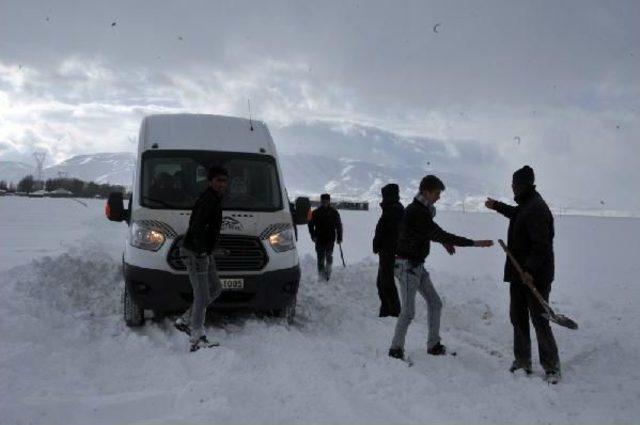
[[66, 356]]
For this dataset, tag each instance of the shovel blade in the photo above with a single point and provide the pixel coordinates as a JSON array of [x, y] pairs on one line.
[[562, 320]]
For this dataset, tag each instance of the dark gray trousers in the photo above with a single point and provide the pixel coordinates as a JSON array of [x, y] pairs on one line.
[[387, 291], [414, 279], [206, 286], [523, 306], [324, 250]]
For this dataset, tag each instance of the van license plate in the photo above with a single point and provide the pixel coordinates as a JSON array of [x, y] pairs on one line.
[[232, 283]]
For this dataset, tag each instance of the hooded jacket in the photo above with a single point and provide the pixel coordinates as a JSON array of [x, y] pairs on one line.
[[385, 239], [325, 224], [530, 238]]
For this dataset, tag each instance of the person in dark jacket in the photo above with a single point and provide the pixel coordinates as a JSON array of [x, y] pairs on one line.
[[325, 227], [530, 239], [197, 253], [417, 230], [384, 244]]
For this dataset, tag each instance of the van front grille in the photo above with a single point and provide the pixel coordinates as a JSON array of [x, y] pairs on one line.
[[233, 253]]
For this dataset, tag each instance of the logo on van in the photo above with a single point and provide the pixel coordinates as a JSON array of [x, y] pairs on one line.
[[230, 223]]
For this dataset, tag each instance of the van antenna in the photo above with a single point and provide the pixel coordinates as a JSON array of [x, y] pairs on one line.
[[250, 120]]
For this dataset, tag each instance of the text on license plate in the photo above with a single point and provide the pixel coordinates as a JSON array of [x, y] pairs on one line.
[[232, 283]]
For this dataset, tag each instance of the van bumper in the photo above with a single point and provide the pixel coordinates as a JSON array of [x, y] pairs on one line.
[[167, 292]]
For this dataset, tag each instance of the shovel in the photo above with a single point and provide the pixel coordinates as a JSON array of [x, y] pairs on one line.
[[559, 319]]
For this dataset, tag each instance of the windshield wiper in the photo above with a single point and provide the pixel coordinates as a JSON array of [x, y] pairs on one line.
[[163, 203]]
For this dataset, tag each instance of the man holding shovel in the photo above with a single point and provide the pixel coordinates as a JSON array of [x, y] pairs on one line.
[[530, 241]]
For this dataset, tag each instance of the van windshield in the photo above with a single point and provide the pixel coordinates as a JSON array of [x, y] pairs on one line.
[[175, 179]]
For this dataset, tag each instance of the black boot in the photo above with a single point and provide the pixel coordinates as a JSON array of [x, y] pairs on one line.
[[552, 377], [517, 365], [203, 342], [396, 353], [437, 350]]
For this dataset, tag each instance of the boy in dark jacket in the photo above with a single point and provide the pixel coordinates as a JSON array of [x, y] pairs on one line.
[[325, 227], [530, 239], [385, 243], [417, 230], [197, 253]]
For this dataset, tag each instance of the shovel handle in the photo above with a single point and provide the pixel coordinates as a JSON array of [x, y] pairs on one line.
[[512, 259], [521, 273], [560, 319]]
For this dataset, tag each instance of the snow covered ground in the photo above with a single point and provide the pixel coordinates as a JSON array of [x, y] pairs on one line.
[[66, 356]]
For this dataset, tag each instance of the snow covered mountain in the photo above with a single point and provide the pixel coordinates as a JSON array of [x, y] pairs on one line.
[[13, 171], [354, 161], [350, 161], [114, 168], [357, 179]]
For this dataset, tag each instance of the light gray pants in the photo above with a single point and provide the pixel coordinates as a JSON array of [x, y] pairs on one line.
[[206, 288], [412, 280]]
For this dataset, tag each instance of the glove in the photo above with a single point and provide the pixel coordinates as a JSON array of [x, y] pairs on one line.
[[450, 248], [491, 204]]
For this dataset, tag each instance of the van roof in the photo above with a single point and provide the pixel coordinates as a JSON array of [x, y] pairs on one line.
[[205, 132]]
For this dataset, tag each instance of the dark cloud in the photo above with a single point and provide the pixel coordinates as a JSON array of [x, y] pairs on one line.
[[379, 65]]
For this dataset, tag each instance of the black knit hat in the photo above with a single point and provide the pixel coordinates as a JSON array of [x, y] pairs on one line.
[[524, 176], [325, 197], [391, 192]]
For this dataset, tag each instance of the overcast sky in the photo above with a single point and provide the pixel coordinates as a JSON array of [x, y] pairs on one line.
[[555, 84]]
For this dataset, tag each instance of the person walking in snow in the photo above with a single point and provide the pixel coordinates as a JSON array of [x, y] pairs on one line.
[[325, 228], [197, 253], [530, 239], [385, 243], [417, 230]]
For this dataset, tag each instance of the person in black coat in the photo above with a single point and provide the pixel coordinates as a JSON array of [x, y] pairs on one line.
[[530, 239], [385, 243], [325, 227], [197, 254], [417, 230]]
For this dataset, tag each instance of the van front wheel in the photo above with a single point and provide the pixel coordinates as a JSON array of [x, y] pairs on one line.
[[133, 314]]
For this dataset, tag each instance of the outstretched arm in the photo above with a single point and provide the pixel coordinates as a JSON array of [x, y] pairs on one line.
[[451, 240], [437, 234], [502, 208]]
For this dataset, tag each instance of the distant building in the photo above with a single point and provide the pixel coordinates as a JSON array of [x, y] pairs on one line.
[[38, 194], [60, 193], [344, 205]]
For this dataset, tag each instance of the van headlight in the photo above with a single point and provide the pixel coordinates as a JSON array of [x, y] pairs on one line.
[[146, 238], [282, 241]]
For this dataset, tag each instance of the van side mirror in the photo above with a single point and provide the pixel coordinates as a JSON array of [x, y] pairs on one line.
[[303, 205], [114, 210]]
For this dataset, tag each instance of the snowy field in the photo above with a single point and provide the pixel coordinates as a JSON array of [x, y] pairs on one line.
[[66, 356]]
